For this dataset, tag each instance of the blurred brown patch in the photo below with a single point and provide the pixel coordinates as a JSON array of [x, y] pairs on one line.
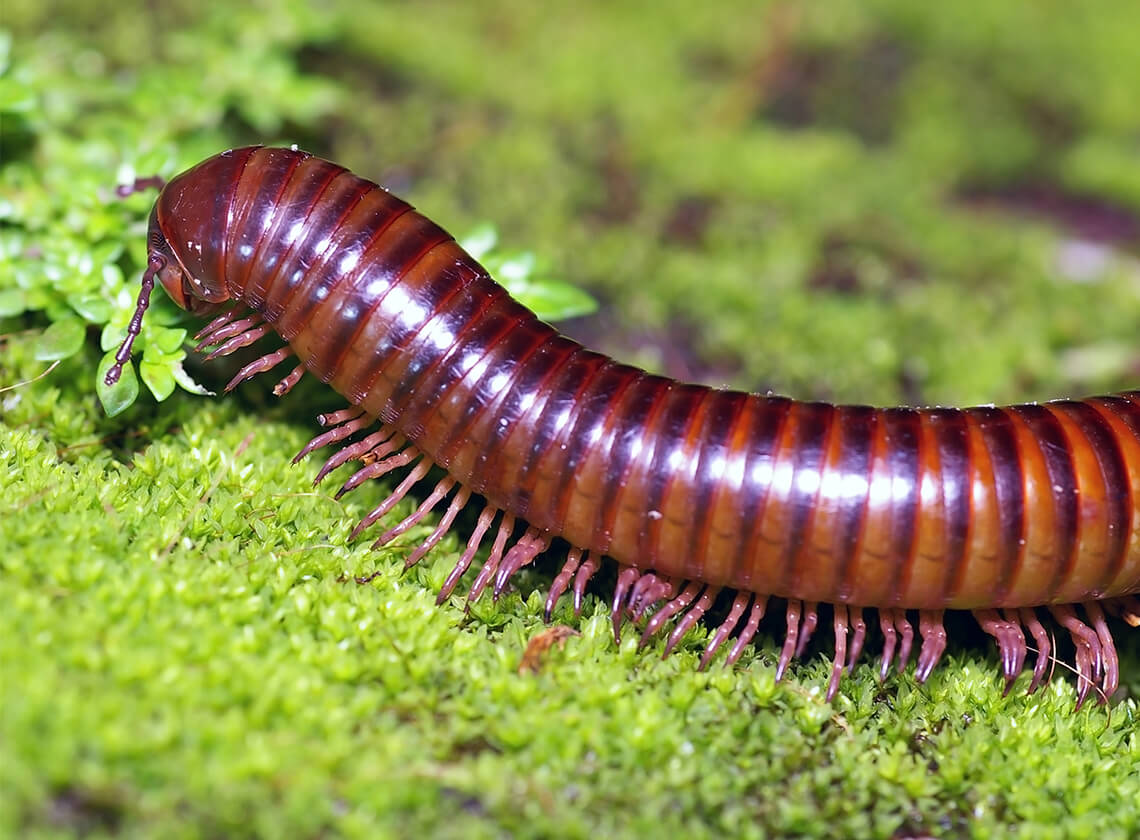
[[855, 88], [1091, 218], [838, 267], [537, 647], [621, 198], [688, 221]]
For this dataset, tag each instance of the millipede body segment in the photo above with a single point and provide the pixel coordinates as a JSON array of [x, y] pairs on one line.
[[1017, 513]]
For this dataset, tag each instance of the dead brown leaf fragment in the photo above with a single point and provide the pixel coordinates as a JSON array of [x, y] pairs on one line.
[[537, 647]]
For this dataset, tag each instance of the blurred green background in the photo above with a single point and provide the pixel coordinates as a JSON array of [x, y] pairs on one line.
[[876, 201]]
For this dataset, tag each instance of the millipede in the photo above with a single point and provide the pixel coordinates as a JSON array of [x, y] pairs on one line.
[[1026, 516]]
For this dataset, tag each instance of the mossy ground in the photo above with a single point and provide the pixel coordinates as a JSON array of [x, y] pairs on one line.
[[850, 200]]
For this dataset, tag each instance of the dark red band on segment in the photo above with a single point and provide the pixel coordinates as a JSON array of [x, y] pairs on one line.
[[586, 419], [252, 218], [710, 458], [952, 433], [225, 198], [813, 421], [295, 202], [402, 328], [1009, 490], [682, 403], [1114, 473], [569, 374], [643, 400], [858, 424], [904, 433], [768, 424], [424, 358], [1054, 448], [289, 286], [486, 390], [530, 439], [1128, 414]]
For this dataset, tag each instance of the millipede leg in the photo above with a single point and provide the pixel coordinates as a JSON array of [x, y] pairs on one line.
[[238, 342], [587, 570], [649, 591], [227, 317], [353, 451], [890, 641], [383, 449], [739, 604], [1028, 617], [149, 182], [532, 544], [458, 502], [1010, 640], [627, 578], [791, 637], [375, 470], [755, 616], [473, 543], [339, 417], [420, 470], [691, 617], [933, 633], [1111, 670], [266, 362], [858, 637], [228, 329], [906, 632], [344, 424], [498, 547], [286, 385], [411, 520], [671, 608], [1017, 640], [807, 626], [561, 581], [1087, 646], [841, 630]]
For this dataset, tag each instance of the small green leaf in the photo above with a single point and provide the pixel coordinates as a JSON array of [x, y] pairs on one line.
[[112, 276], [551, 300], [155, 355], [187, 383], [16, 97], [152, 162], [168, 340], [12, 302], [93, 308], [118, 397], [112, 336], [480, 241], [158, 377], [60, 340], [105, 254], [514, 267]]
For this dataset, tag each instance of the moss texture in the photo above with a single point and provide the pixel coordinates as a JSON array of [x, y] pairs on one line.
[[874, 201]]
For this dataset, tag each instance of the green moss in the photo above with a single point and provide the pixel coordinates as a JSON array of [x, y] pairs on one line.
[[826, 199]]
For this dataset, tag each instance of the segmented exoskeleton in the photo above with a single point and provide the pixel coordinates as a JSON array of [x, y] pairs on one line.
[[1011, 513]]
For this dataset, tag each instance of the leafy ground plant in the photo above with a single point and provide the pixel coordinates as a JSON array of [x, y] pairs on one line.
[[875, 201]]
